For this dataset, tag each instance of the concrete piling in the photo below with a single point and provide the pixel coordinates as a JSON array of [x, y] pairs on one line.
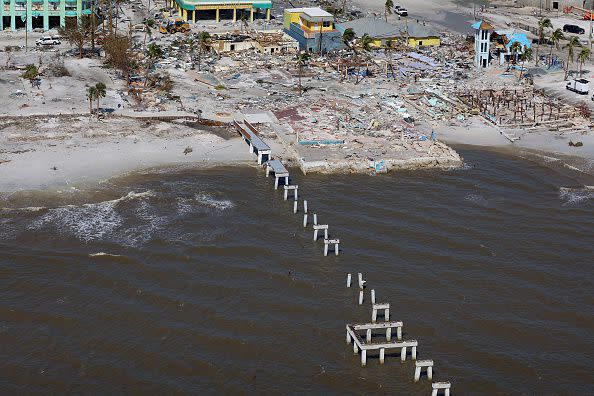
[[317, 227], [315, 219], [363, 358], [329, 242], [419, 365], [382, 355], [366, 343], [437, 386], [376, 307], [305, 206], [361, 297], [361, 281], [305, 220], [349, 279], [295, 207], [373, 296]]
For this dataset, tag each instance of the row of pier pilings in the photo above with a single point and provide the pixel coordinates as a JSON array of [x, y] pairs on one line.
[[361, 336], [293, 189]]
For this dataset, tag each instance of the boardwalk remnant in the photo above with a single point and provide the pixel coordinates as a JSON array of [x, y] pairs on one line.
[[279, 171], [294, 188], [377, 307], [318, 227]]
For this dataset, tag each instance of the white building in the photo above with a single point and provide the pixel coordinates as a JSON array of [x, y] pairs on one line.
[[482, 44]]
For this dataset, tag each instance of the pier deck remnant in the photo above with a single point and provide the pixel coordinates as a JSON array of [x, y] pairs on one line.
[[279, 171], [257, 146]]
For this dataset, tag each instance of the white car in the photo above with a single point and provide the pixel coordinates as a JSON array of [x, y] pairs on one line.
[[47, 40], [402, 12]]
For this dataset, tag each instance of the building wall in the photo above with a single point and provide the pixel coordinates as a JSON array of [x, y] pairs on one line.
[[290, 17], [424, 41], [39, 12], [549, 4], [331, 41]]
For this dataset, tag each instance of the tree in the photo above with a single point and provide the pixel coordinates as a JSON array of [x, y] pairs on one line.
[[347, 37], [191, 47], [582, 57], [100, 92], [302, 59], [203, 41], [555, 38], [544, 23], [366, 42], [388, 8], [91, 95], [117, 48], [31, 73], [148, 23], [153, 53], [78, 34], [525, 56], [514, 50], [574, 42]]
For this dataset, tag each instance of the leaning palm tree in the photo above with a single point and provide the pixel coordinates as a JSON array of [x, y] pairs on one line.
[[91, 95], [544, 23], [203, 40], [302, 59], [347, 37], [388, 8], [574, 42], [582, 57], [100, 92], [555, 38]]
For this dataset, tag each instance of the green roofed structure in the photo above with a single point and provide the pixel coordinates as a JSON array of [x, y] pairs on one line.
[[192, 10]]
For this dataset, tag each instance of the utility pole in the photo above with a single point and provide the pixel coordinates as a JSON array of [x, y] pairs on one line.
[[26, 31]]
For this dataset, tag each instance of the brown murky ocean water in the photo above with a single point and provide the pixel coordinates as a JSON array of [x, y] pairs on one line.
[[204, 282]]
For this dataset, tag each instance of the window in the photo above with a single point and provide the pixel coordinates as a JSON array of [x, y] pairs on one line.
[[555, 5], [327, 24], [420, 42]]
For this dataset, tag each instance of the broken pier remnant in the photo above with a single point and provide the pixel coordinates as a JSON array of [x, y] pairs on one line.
[[366, 345]]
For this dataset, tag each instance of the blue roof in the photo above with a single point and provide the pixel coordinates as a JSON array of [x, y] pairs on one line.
[[518, 38], [477, 25]]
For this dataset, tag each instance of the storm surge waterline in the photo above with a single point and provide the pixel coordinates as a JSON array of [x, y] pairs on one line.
[[205, 282]]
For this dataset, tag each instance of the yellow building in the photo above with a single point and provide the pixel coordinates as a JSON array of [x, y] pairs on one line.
[[380, 31], [311, 20]]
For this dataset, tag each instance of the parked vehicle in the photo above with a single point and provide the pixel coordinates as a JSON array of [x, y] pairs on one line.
[[573, 29], [47, 40], [580, 86], [402, 12]]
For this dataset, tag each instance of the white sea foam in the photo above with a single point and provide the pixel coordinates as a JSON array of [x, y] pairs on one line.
[[576, 196], [100, 254], [209, 200], [88, 221]]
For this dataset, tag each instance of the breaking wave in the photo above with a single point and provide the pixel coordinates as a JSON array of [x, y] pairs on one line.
[[87, 222]]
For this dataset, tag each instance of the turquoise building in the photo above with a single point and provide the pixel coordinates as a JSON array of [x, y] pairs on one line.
[[45, 14]]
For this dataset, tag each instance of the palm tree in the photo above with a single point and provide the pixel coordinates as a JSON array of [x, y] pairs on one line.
[[203, 39], [302, 59], [153, 52], [347, 37], [582, 57], [91, 95], [555, 38], [100, 92], [366, 42], [574, 42], [149, 23], [525, 56], [544, 23], [514, 50], [388, 8]]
